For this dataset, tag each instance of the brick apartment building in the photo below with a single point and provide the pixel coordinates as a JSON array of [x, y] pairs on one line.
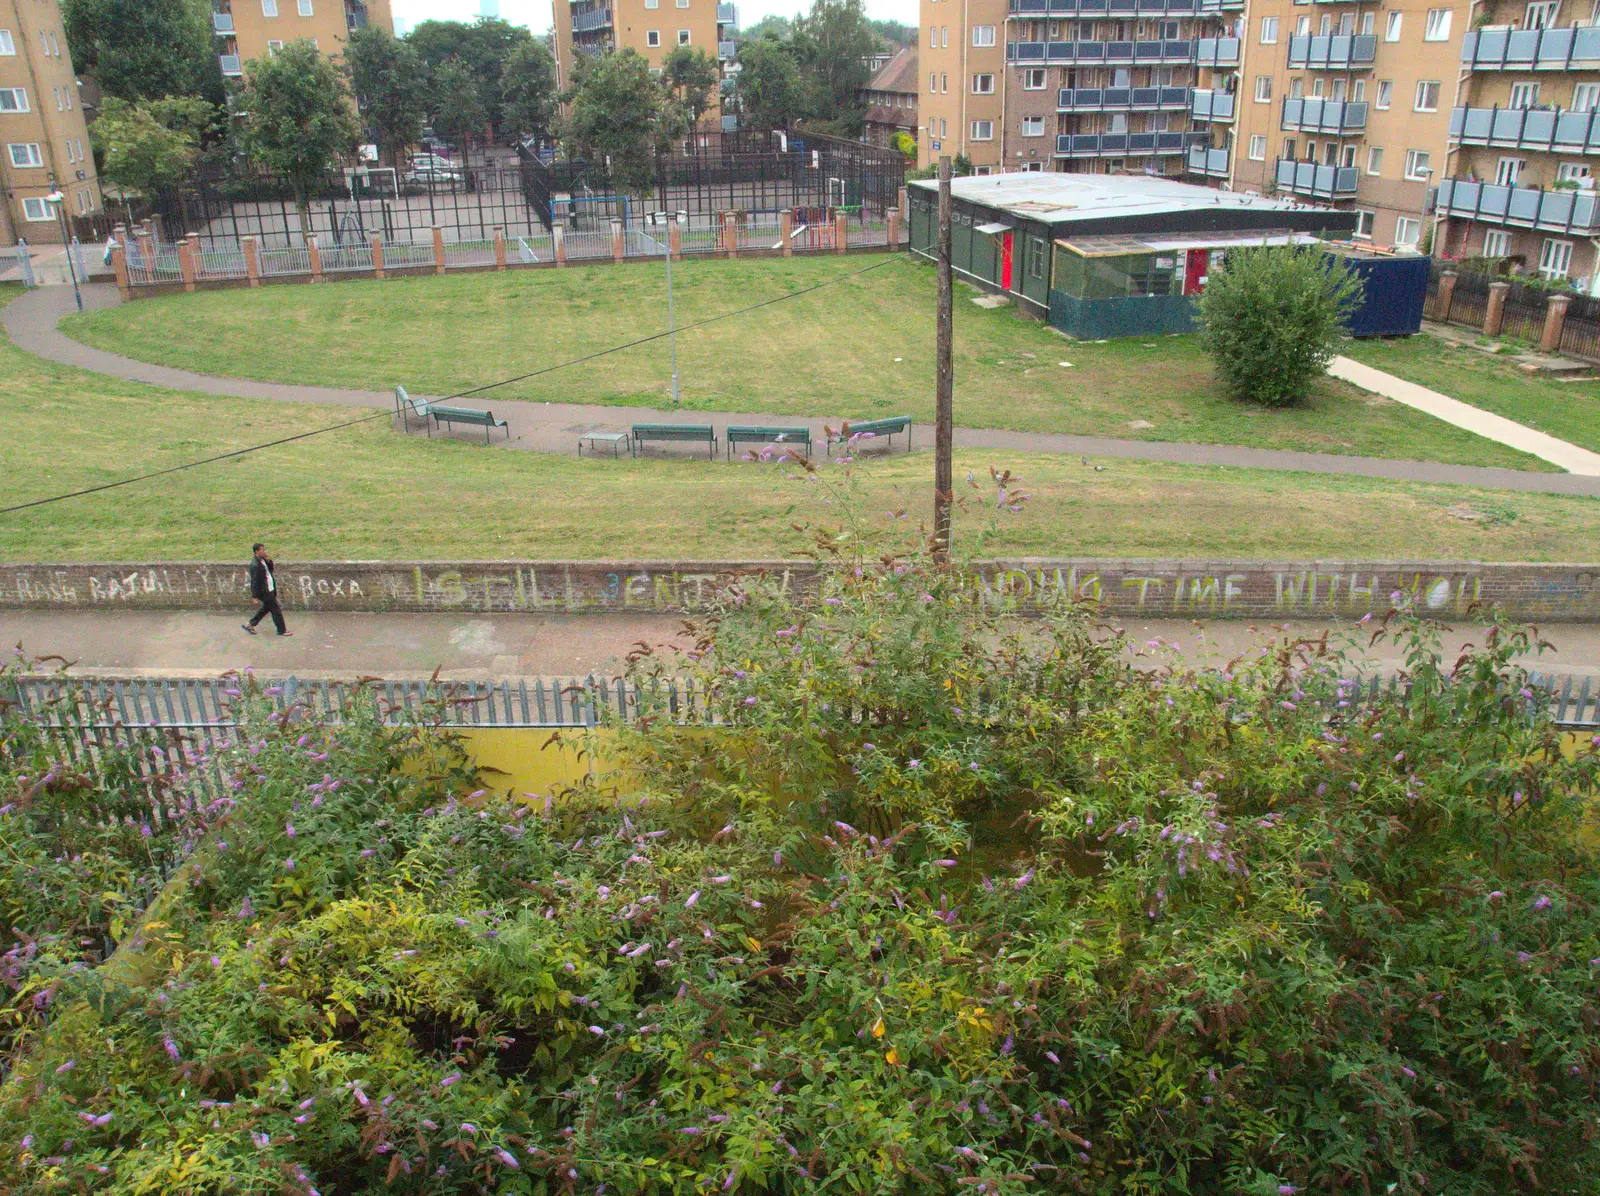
[[42, 130], [653, 28], [249, 29], [891, 99]]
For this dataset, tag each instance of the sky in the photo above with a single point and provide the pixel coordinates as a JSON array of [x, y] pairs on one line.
[[535, 14]]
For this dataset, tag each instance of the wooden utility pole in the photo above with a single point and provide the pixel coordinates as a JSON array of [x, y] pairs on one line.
[[944, 398]]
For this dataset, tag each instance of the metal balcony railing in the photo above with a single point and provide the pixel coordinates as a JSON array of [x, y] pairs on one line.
[[1121, 99], [1323, 182], [1521, 207], [1316, 115], [222, 22], [1210, 7], [1100, 8], [588, 22], [1207, 160], [1548, 129], [727, 50], [230, 64], [1332, 52], [1206, 104], [727, 14], [1119, 145], [1530, 49], [1205, 51], [1216, 51]]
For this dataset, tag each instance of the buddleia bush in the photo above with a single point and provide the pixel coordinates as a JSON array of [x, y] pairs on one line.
[[947, 903]]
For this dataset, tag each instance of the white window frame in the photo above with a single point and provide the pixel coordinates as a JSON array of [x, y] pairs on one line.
[[1572, 172], [983, 84], [31, 157], [1585, 97], [1418, 161], [1508, 171], [1391, 27], [36, 203], [1385, 94], [1419, 100], [1524, 95], [652, 39], [683, 3], [274, 44], [1269, 31], [1555, 258], [1364, 222], [1496, 243], [307, 9], [944, 37], [8, 45], [1437, 25], [1032, 73], [1263, 89], [683, 37], [1033, 126], [1541, 14], [18, 97], [1375, 159], [983, 35], [269, 8], [652, 5], [982, 130], [1407, 232], [1258, 147], [933, 83]]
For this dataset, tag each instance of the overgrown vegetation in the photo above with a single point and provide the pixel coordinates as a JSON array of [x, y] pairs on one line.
[[943, 907]]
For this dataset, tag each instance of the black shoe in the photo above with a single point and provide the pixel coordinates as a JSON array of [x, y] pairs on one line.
[[248, 628]]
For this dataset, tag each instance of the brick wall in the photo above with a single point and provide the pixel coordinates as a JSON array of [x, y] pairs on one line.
[[1200, 588]]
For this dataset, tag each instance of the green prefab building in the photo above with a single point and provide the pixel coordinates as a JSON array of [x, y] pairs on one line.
[[1104, 255]]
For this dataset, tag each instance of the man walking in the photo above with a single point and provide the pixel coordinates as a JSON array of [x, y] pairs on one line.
[[264, 589]]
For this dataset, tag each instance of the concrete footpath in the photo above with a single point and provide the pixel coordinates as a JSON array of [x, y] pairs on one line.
[[477, 647]]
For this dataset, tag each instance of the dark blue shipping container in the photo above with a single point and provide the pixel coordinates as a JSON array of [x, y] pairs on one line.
[[1394, 291]]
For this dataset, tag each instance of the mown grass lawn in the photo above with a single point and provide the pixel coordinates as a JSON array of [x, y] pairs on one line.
[[369, 492], [860, 348]]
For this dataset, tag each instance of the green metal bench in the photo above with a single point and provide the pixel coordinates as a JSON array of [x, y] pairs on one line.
[[757, 434], [468, 415], [694, 433], [405, 407], [874, 428]]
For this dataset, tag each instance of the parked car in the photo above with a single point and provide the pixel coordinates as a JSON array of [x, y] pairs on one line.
[[436, 160], [433, 176]]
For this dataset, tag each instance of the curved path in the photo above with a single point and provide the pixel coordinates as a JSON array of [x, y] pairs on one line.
[[31, 319]]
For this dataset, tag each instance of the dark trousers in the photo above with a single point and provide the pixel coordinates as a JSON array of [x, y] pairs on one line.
[[269, 606]]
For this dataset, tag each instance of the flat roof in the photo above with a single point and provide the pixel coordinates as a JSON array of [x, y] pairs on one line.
[[1123, 246], [1066, 198]]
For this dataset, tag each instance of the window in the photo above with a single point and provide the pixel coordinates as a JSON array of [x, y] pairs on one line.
[[55, 45], [1316, 87], [1033, 80], [1297, 87], [1036, 257], [683, 37], [269, 8], [944, 82], [7, 46], [1366, 24], [1302, 27], [983, 85], [1375, 160], [60, 106], [1585, 97], [983, 35], [13, 99], [305, 8], [1572, 172], [1541, 15], [1288, 149], [933, 83], [273, 46], [944, 129], [1508, 170], [1385, 93], [1419, 165], [933, 37], [944, 35], [1347, 156], [1263, 88], [1030, 167], [1555, 258], [1524, 95], [1269, 31], [1364, 225], [652, 4], [1437, 28], [1033, 126], [1391, 28], [1156, 122], [652, 39], [35, 209], [1258, 147], [983, 130], [1496, 243], [26, 154], [1407, 232], [1427, 95], [1358, 90], [1311, 151]]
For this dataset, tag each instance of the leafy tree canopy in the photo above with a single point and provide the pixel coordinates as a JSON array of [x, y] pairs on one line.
[[484, 45], [459, 113], [149, 147], [768, 86], [388, 76], [692, 76], [622, 114], [145, 49], [832, 42], [528, 92]]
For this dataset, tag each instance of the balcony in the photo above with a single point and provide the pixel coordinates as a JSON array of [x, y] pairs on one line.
[[230, 64], [1121, 145], [1104, 8], [1316, 115], [355, 14], [589, 22], [1118, 53], [1216, 51], [1211, 105], [1522, 207], [1203, 159], [1530, 49], [727, 14], [1212, 7], [1332, 53], [1547, 129], [1321, 182], [727, 50], [222, 23], [1122, 99]]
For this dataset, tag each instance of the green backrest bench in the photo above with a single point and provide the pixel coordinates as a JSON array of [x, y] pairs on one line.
[[694, 433], [468, 415], [405, 407], [766, 434], [874, 428]]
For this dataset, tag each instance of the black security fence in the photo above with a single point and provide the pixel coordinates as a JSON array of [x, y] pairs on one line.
[[1524, 312]]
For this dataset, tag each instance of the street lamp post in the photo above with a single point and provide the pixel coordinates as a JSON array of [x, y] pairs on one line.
[[60, 201], [672, 324]]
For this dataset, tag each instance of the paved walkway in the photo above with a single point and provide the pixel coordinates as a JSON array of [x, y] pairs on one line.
[[554, 427]]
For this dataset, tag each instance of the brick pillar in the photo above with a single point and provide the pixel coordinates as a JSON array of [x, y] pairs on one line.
[[147, 246], [377, 256], [839, 234], [675, 240], [1447, 288], [616, 241], [786, 227], [1494, 314], [119, 263], [438, 249], [900, 201], [894, 228], [499, 249], [1555, 317], [252, 260], [189, 259], [559, 232], [730, 235], [314, 252]]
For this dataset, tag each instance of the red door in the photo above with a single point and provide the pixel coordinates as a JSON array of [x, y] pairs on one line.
[[1194, 271], [1005, 262]]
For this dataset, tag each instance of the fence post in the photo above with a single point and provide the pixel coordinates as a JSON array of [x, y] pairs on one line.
[[1494, 313], [559, 232], [894, 228], [900, 201], [314, 253], [674, 239], [1555, 318], [616, 241], [377, 256], [147, 249], [189, 259], [438, 249], [499, 249], [730, 235], [1447, 288], [786, 225], [839, 232], [119, 263], [252, 260]]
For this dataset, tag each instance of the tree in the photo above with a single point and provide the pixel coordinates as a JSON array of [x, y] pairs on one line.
[[896, 33], [770, 25], [833, 42], [485, 46], [769, 89], [149, 147], [388, 77], [459, 112], [1271, 317], [144, 49], [620, 113], [692, 76], [298, 120], [528, 91]]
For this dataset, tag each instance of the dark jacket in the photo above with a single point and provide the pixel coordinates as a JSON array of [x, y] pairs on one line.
[[259, 568]]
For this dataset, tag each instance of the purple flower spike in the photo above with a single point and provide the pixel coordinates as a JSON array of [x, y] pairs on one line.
[[288, 864], [507, 1158], [66, 1067], [1542, 902]]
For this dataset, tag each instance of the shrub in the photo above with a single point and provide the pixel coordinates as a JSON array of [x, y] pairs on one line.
[[1270, 319]]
